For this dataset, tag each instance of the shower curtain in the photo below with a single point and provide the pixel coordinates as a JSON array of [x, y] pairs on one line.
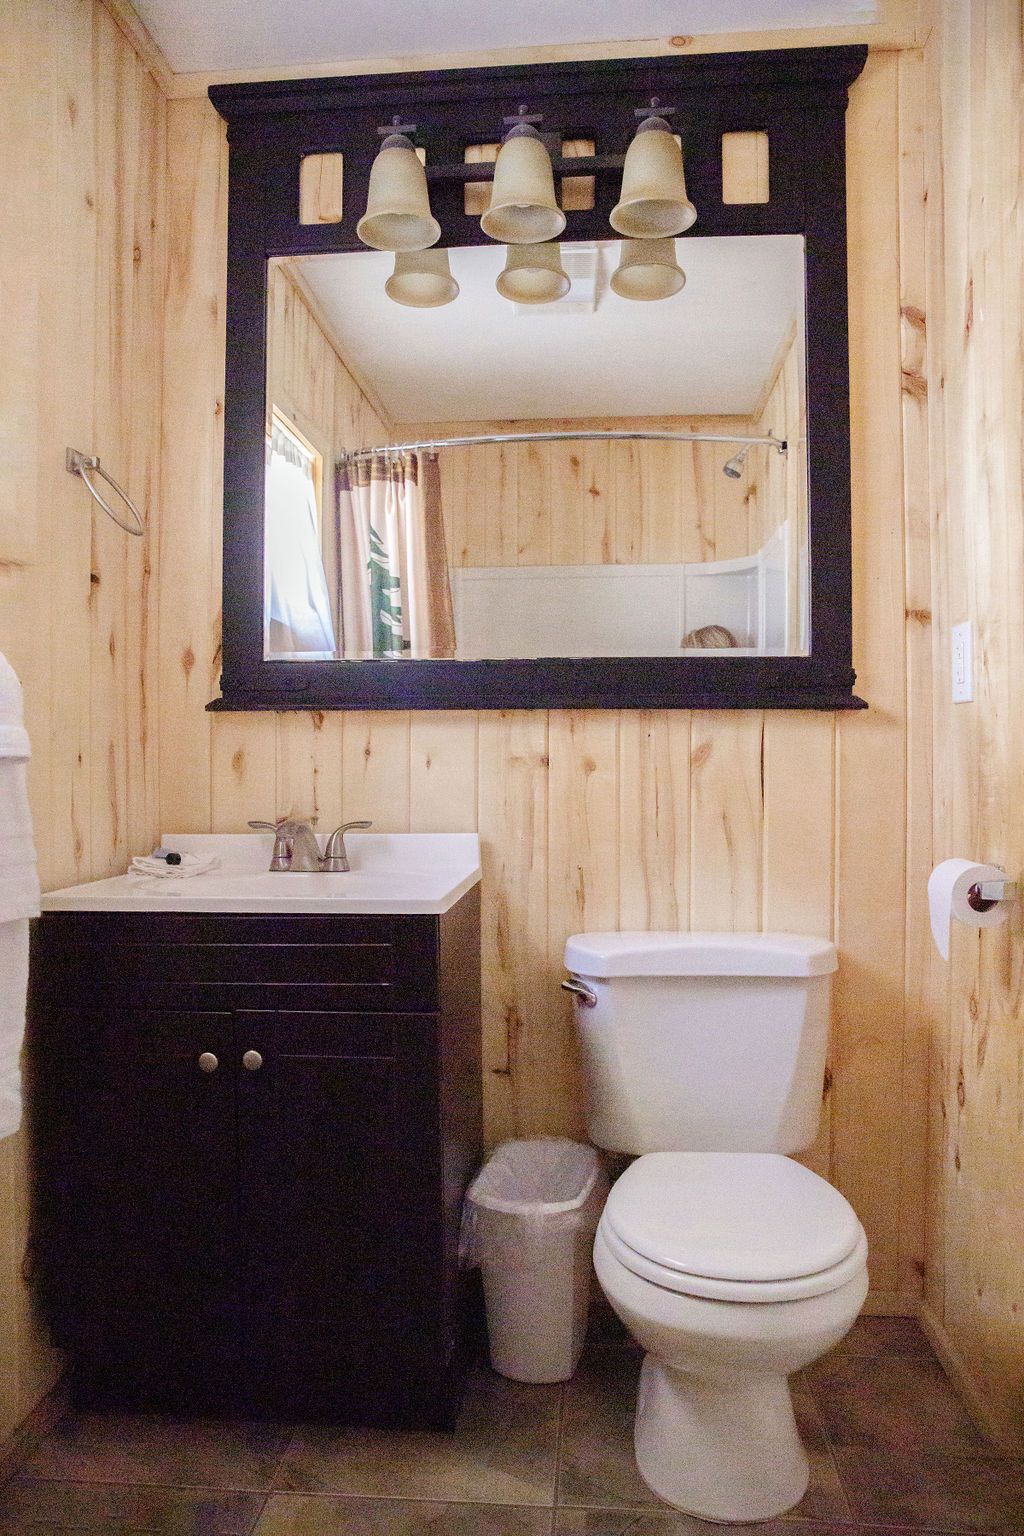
[[395, 596]]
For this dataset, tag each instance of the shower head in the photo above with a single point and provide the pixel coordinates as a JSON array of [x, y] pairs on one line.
[[734, 467]]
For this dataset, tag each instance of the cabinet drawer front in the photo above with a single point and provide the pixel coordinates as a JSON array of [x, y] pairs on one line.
[[315, 1035], [204, 961], [332, 964]]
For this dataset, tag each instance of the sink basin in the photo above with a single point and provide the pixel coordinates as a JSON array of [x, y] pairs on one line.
[[392, 872]]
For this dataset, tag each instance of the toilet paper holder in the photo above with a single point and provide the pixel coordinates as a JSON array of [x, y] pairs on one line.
[[986, 894]]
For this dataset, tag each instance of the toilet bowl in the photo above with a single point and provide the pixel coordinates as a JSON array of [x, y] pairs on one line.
[[732, 1271], [730, 1263]]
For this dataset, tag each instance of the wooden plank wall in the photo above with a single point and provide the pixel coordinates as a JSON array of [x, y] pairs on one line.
[[589, 503], [81, 278], [588, 819], [310, 384], [777, 485], [307, 378], [971, 415], [603, 819]]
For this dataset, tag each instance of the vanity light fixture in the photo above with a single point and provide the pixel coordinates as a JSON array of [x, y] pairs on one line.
[[398, 216], [523, 208], [653, 202], [647, 269], [533, 274], [422, 279]]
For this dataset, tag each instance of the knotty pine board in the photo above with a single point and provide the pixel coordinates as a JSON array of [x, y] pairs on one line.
[[596, 503], [82, 269], [973, 372]]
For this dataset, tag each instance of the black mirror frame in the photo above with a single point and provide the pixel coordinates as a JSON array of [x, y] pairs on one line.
[[797, 96]]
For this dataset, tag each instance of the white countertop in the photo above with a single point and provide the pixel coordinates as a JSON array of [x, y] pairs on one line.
[[392, 873]]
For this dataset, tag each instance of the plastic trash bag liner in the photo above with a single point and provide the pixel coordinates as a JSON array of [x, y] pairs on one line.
[[547, 1186]]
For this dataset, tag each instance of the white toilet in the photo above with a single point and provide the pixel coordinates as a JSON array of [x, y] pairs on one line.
[[732, 1265]]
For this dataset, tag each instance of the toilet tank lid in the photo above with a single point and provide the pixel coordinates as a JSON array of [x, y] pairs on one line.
[[699, 954]]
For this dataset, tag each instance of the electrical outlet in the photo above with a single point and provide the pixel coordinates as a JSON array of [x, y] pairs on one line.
[[963, 663]]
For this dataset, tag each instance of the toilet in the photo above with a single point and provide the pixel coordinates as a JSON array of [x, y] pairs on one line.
[[730, 1264]]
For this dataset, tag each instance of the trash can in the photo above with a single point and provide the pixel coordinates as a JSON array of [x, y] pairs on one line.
[[531, 1214]]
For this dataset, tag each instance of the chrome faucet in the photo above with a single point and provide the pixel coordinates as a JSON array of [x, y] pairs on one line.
[[296, 850]]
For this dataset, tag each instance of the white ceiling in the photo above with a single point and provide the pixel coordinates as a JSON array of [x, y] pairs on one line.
[[708, 350], [210, 35]]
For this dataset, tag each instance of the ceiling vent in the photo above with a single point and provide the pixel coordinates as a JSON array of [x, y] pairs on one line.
[[584, 267]]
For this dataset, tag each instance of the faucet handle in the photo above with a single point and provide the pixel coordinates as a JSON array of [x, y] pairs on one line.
[[335, 859], [281, 859]]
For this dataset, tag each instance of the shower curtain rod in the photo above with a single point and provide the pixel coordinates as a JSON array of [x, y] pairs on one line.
[[771, 441]]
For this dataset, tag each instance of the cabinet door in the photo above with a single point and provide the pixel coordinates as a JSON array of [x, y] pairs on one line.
[[333, 1160], [145, 1165]]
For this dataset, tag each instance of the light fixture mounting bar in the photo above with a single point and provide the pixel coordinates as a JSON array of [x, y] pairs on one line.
[[653, 109], [397, 126], [483, 170], [522, 116]]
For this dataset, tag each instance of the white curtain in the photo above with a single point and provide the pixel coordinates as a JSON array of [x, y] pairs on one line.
[[298, 605], [395, 598]]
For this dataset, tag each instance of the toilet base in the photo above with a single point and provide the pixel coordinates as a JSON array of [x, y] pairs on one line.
[[722, 1450]]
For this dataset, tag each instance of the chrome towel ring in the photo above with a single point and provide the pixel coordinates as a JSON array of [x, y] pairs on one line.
[[84, 464]]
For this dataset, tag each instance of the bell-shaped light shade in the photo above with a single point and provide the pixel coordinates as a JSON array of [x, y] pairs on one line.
[[647, 269], [533, 275], [398, 216], [653, 201], [523, 209], [422, 279]]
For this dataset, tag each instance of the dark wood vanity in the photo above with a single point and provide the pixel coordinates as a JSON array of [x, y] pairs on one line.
[[253, 1136]]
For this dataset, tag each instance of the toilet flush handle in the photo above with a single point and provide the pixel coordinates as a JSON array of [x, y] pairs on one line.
[[579, 989]]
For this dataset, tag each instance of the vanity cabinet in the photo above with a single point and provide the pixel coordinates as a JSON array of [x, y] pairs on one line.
[[253, 1135]]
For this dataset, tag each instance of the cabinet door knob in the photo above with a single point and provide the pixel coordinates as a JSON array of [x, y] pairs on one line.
[[208, 1062], [252, 1061]]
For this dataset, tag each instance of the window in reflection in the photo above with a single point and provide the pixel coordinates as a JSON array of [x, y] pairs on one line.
[[298, 604]]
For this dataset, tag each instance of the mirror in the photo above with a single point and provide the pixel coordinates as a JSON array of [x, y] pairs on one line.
[[602, 562], [689, 541]]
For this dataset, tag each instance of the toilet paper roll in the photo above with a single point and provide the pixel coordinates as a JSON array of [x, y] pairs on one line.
[[948, 885]]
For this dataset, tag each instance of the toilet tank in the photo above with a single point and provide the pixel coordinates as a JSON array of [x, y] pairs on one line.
[[702, 1042]]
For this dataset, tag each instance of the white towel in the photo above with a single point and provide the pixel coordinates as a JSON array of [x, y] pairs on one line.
[[19, 893], [150, 868], [13, 980]]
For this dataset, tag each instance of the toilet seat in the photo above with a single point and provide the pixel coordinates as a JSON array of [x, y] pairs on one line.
[[733, 1226]]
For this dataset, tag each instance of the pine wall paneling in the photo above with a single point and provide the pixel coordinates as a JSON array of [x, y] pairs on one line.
[[308, 381], [974, 86], [81, 276], [587, 818], [869, 1023], [596, 503]]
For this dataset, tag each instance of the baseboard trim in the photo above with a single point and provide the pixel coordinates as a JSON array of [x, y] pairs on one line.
[[890, 1304], [956, 1369], [18, 1447]]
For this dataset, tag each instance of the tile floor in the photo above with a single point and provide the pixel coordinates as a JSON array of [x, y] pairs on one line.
[[892, 1451]]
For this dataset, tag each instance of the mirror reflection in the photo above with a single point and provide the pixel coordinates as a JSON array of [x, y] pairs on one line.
[[646, 507]]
